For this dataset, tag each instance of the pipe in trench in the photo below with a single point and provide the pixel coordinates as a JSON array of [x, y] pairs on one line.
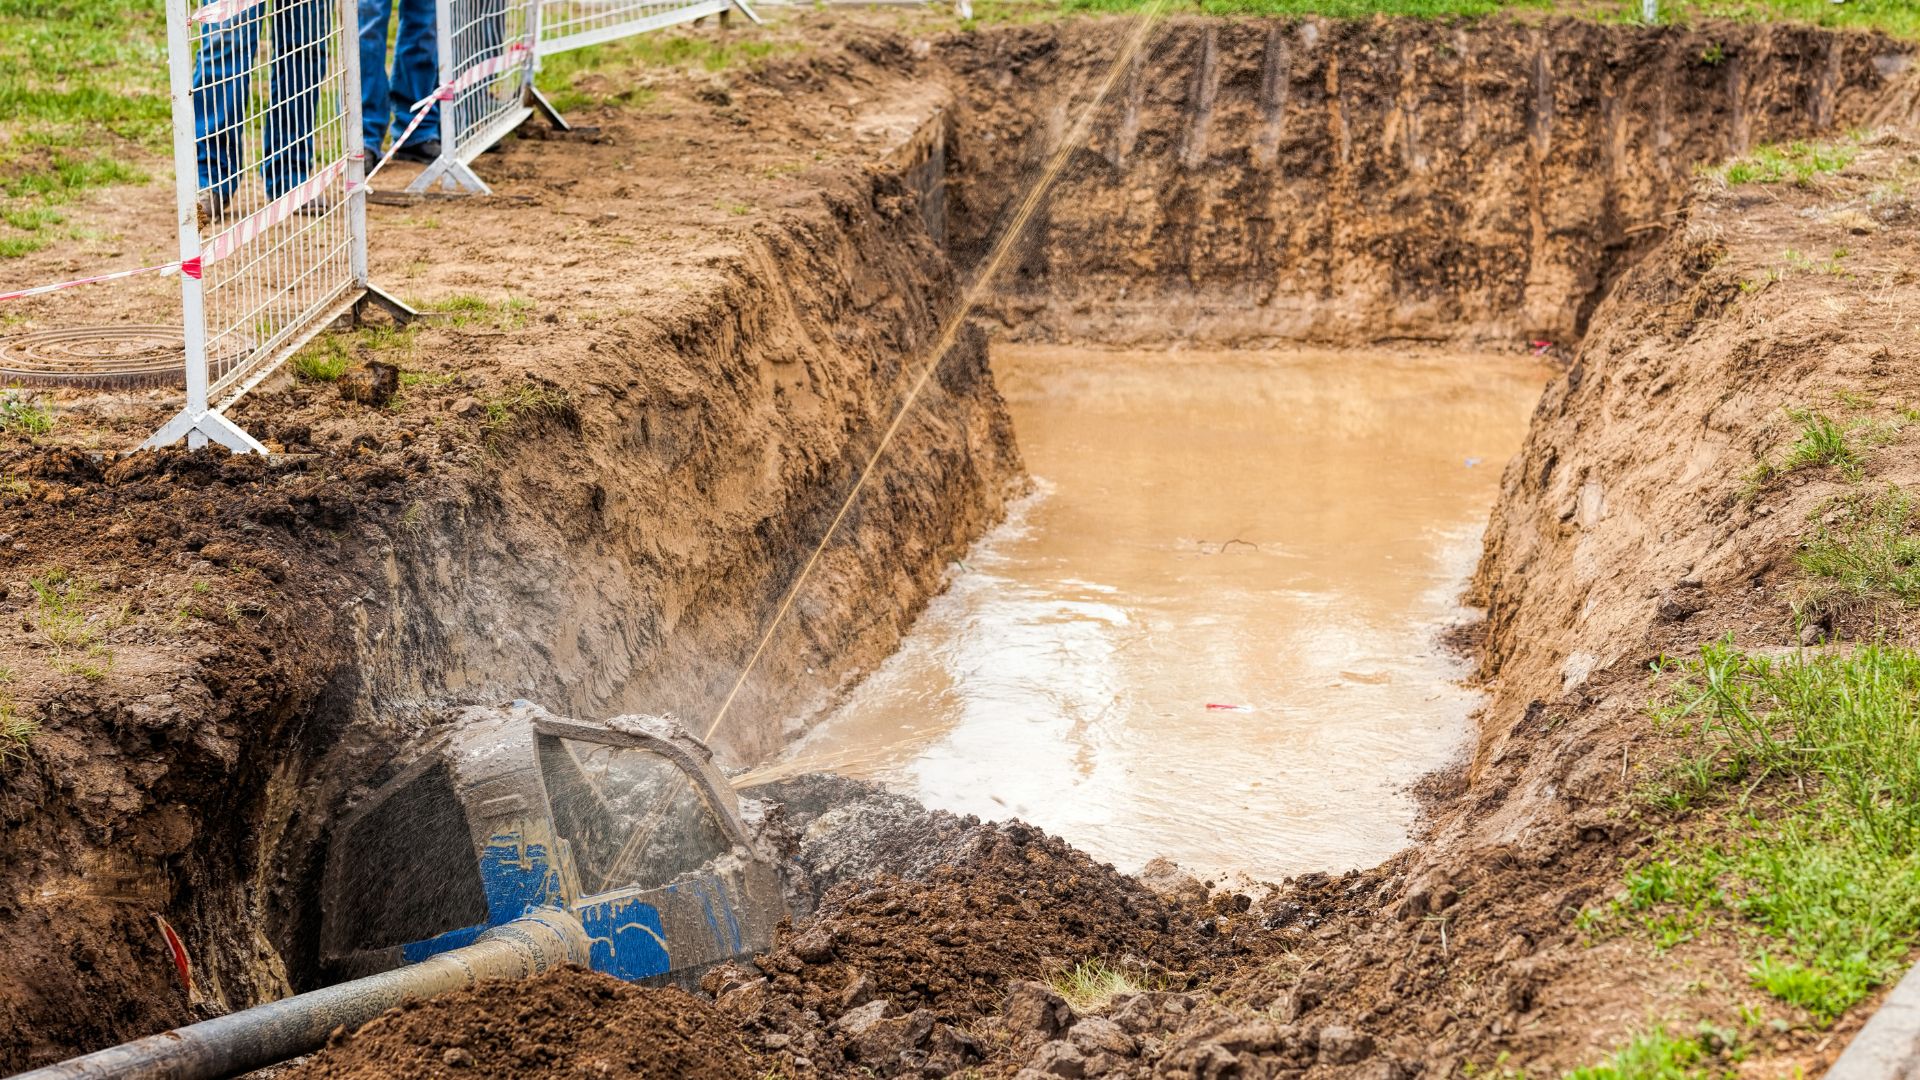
[[278, 1030]]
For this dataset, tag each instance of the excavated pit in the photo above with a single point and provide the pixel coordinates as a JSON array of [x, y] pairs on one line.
[[1254, 183]]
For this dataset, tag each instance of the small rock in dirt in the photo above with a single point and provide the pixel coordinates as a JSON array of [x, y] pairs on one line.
[[1034, 1008], [375, 384], [468, 408], [1342, 1045], [1429, 893], [1059, 1058], [885, 1042], [456, 1058], [1152, 1011], [814, 944], [1097, 1034], [1258, 1037], [859, 1020], [1281, 913], [1171, 883], [860, 990]]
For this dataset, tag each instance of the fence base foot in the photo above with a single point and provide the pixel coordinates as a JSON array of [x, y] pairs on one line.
[[545, 108], [199, 428], [452, 173], [401, 313]]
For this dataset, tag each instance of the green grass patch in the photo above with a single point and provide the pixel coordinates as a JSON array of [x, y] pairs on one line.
[[74, 75], [63, 614], [465, 309], [1814, 856], [562, 75], [1659, 1054], [1091, 984], [1869, 551], [1822, 440], [524, 400], [14, 247], [19, 413], [324, 359], [16, 730], [1796, 162]]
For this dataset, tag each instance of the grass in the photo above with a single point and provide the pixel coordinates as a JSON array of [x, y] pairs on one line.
[[324, 359], [1659, 1054], [1822, 441], [1812, 767], [21, 414], [1798, 162], [16, 731], [563, 75], [82, 100], [1091, 984], [1869, 551], [62, 613], [523, 400], [464, 309]]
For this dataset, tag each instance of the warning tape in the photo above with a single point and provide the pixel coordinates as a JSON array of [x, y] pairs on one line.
[[271, 214], [222, 10], [191, 268], [485, 69]]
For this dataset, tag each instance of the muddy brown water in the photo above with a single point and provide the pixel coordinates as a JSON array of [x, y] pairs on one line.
[[1283, 533]]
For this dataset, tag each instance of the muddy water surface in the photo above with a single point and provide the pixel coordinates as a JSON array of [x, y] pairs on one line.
[[1210, 634]]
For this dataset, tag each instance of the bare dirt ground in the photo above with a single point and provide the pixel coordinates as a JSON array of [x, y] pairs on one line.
[[686, 331]]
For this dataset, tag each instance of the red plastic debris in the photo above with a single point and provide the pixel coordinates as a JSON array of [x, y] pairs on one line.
[[179, 951]]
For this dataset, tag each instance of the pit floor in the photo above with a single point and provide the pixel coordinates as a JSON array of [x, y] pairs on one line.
[[1212, 631]]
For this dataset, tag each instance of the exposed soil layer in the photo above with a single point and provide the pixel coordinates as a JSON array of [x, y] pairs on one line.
[[570, 1022], [595, 501], [1355, 182]]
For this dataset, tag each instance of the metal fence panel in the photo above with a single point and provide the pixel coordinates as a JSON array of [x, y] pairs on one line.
[[575, 24], [486, 76], [266, 116]]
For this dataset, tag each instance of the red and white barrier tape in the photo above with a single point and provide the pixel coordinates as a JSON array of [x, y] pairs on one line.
[[221, 10], [191, 268], [485, 69], [271, 214]]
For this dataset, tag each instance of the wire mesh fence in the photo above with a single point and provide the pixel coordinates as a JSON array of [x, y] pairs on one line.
[[486, 83], [575, 24], [272, 244]]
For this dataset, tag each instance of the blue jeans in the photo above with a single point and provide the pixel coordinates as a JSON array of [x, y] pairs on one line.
[[385, 98], [222, 77]]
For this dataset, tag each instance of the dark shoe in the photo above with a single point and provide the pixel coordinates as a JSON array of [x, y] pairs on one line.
[[210, 207], [423, 152]]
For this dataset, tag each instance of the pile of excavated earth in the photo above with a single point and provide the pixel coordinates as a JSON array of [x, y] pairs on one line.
[[590, 498]]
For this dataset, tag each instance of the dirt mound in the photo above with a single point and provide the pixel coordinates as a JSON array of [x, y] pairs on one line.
[[570, 1022], [896, 974]]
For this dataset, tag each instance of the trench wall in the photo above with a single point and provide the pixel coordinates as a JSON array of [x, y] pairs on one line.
[[1352, 182]]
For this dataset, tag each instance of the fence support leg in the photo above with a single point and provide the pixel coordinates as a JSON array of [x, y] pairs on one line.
[[395, 307], [198, 429], [446, 170], [538, 102]]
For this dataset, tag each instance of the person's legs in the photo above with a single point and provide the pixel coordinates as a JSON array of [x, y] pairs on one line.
[[416, 69], [222, 73], [375, 17], [299, 60]]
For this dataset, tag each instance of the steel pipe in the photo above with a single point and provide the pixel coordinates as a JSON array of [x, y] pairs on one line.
[[278, 1030]]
